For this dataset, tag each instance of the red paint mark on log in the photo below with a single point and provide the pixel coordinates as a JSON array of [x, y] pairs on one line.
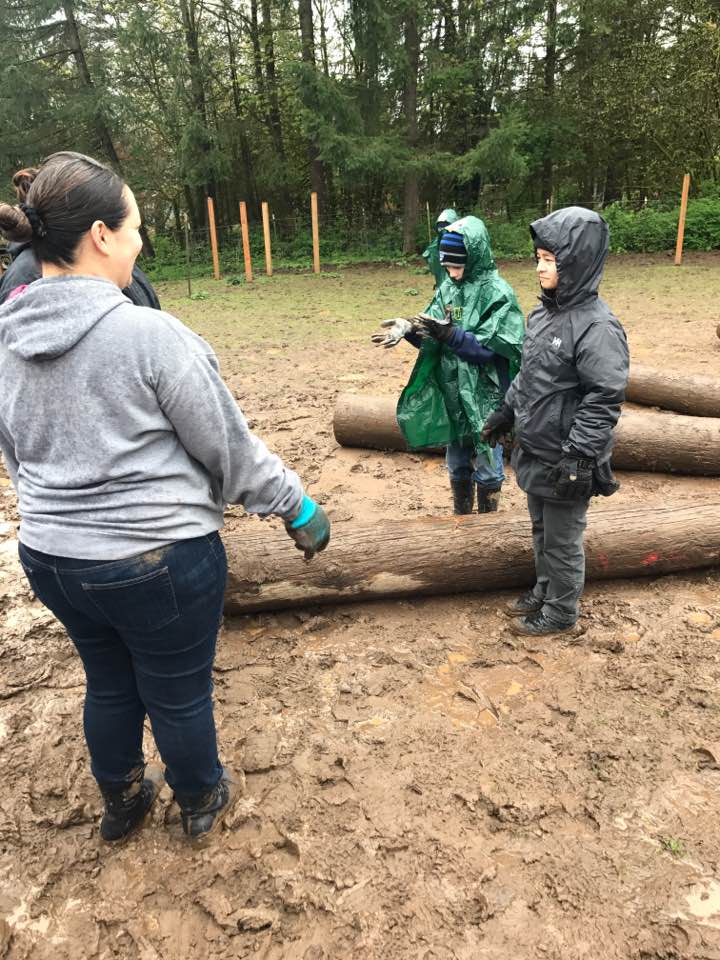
[[650, 559], [603, 561]]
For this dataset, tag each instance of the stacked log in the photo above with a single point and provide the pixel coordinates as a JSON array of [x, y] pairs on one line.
[[693, 394], [382, 560], [644, 440]]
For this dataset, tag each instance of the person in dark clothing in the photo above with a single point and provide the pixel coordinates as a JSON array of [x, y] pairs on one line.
[[25, 267], [563, 406]]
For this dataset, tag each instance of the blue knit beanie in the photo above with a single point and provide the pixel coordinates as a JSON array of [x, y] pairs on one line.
[[452, 250]]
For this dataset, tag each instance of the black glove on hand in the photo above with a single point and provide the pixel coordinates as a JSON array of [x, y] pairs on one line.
[[313, 535], [440, 330], [573, 478], [497, 425]]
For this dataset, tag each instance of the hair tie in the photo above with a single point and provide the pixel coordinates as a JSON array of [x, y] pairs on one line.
[[37, 224]]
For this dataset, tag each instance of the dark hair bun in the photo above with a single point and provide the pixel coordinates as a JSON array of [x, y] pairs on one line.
[[14, 224], [22, 181]]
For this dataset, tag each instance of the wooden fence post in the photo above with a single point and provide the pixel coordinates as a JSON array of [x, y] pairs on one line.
[[213, 238], [245, 241], [266, 233], [315, 231], [681, 222]]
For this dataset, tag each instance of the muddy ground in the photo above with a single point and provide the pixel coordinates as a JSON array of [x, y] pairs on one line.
[[387, 814]]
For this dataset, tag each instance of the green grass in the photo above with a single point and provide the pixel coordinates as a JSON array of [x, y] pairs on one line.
[[673, 845]]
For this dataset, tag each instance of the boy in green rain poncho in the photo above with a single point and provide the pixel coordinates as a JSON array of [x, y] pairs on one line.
[[432, 254], [470, 340]]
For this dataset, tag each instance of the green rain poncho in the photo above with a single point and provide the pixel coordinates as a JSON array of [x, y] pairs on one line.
[[432, 254], [447, 400]]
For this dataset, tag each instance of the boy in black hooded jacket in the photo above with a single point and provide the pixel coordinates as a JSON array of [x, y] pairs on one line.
[[563, 406]]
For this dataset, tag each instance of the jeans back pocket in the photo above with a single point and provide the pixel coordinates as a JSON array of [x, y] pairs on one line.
[[140, 604]]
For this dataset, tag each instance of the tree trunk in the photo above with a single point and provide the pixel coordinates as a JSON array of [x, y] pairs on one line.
[[658, 442], [549, 98], [197, 91], [375, 561], [411, 202], [689, 393], [101, 126], [243, 143], [307, 37], [273, 101]]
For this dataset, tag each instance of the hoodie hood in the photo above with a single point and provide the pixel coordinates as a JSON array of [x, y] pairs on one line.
[[447, 216], [52, 315], [580, 241], [477, 243]]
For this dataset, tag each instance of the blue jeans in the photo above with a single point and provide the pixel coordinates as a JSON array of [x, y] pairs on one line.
[[461, 459], [145, 629]]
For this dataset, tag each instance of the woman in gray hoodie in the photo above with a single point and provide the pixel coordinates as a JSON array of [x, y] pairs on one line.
[[124, 444]]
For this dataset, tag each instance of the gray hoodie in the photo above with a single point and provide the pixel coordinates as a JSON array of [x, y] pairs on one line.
[[118, 432]]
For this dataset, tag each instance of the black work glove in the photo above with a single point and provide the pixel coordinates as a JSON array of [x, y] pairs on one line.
[[312, 535], [440, 330], [498, 425], [573, 478]]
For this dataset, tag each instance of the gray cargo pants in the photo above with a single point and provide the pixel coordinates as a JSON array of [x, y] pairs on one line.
[[558, 527]]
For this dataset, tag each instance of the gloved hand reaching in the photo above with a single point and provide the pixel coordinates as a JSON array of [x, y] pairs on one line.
[[396, 328], [498, 425], [440, 330], [573, 478], [310, 529]]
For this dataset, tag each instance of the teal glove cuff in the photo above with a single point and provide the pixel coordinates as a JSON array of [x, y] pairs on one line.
[[307, 512]]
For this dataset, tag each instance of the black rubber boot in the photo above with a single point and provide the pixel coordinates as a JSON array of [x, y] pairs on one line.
[[526, 604], [488, 498], [127, 805], [202, 814], [463, 495]]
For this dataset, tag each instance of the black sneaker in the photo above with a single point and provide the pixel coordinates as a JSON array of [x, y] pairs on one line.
[[127, 806], [538, 625], [522, 606], [203, 814]]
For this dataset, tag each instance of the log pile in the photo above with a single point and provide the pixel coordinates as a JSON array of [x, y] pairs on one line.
[[491, 552]]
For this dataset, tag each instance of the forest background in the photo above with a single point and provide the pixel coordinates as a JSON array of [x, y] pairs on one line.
[[503, 108]]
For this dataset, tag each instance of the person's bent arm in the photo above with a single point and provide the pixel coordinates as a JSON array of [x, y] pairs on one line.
[[213, 430]]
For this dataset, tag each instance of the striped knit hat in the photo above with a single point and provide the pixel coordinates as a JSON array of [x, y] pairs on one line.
[[452, 250]]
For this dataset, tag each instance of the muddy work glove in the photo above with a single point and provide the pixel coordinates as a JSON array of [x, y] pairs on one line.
[[430, 327], [498, 425], [310, 529], [573, 478], [395, 331]]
